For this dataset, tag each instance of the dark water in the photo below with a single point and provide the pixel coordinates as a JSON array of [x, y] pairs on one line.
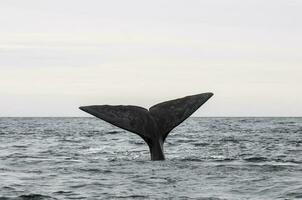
[[207, 158]]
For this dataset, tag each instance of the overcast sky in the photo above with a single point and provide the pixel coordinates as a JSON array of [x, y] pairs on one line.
[[56, 55]]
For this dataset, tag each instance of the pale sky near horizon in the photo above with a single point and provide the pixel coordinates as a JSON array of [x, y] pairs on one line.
[[56, 55]]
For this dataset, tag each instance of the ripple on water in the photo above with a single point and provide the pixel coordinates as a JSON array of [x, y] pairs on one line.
[[206, 158], [29, 197]]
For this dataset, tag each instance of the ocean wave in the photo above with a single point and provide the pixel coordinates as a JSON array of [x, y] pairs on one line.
[[95, 170], [274, 160], [131, 197], [190, 159], [256, 159], [29, 197], [183, 141], [114, 132], [201, 144], [293, 194]]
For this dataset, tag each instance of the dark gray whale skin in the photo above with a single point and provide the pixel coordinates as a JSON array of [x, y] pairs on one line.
[[152, 125]]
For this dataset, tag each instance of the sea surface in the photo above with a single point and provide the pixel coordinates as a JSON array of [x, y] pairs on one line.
[[206, 158]]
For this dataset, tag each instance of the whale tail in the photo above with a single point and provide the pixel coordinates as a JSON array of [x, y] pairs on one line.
[[152, 125]]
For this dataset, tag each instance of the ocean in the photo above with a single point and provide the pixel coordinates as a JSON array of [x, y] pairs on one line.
[[206, 158]]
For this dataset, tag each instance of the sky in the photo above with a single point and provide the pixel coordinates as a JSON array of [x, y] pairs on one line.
[[57, 55]]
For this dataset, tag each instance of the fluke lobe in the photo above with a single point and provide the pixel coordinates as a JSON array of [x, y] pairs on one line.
[[152, 125]]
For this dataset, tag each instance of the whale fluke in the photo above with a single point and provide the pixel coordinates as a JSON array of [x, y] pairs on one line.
[[152, 125]]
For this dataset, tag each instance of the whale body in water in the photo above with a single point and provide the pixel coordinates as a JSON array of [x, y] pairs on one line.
[[152, 125]]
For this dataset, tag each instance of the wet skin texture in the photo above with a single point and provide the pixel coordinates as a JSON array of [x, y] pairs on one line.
[[152, 125]]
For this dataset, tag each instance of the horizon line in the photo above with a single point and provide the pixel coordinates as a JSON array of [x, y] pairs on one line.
[[189, 117]]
